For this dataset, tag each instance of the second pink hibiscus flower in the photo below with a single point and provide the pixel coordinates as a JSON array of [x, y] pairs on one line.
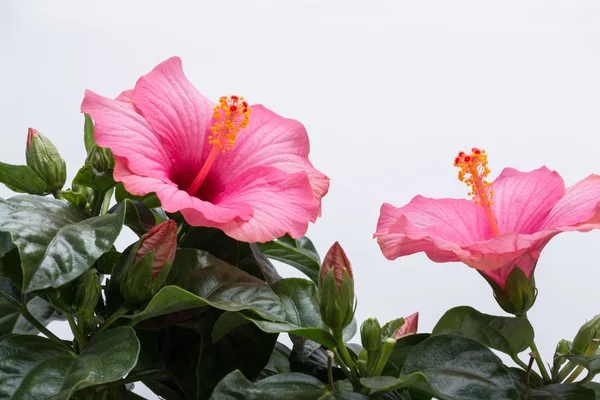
[[228, 165]]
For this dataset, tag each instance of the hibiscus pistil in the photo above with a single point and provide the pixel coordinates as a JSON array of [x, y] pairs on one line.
[[230, 115], [473, 172]]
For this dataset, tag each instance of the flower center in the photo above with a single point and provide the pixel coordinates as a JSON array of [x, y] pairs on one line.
[[230, 115], [474, 171]]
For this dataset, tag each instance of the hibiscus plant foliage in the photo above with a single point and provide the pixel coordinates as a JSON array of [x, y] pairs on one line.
[[194, 308]]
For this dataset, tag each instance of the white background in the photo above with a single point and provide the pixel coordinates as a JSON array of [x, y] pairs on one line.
[[389, 92]]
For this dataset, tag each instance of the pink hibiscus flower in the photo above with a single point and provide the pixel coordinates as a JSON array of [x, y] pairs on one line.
[[228, 165], [507, 223]]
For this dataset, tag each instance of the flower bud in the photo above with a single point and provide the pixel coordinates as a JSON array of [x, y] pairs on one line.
[[100, 159], [409, 327], [43, 158], [151, 264], [336, 290], [518, 294], [370, 335], [563, 347], [587, 336], [87, 290]]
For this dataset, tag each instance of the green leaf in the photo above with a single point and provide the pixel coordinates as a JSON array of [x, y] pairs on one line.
[[138, 217], [300, 301], [55, 240], [99, 181], [402, 349], [11, 320], [33, 367], [558, 391], [591, 363], [21, 178], [451, 367], [88, 133], [510, 335], [289, 386], [279, 362], [299, 253], [150, 200], [205, 280]]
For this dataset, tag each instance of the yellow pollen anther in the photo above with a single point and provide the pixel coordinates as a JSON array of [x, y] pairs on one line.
[[230, 115], [474, 171]]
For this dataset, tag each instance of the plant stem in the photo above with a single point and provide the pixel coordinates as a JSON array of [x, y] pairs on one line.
[[588, 378], [81, 340], [37, 324], [388, 346], [97, 203], [345, 356], [330, 356], [590, 351], [540, 362], [343, 367], [106, 201], [566, 370], [117, 314], [519, 362]]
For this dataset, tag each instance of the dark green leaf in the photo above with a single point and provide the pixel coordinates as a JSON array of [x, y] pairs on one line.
[[279, 362], [138, 217], [451, 367], [41, 311], [205, 280], [510, 335], [558, 392], [33, 367], [55, 240], [290, 386], [402, 349], [150, 200], [99, 181], [88, 133], [21, 178], [299, 253], [300, 300]]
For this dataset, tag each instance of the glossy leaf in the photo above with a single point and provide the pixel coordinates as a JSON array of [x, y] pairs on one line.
[[138, 217], [279, 362], [451, 367], [11, 320], [99, 181], [150, 200], [300, 301], [510, 335], [557, 392], [591, 363], [290, 386], [56, 241], [34, 367], [21, 178], [299, 253], [402, 349]]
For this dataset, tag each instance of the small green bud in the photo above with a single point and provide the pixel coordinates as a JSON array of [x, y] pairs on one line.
[[87, 290], [518, 294], [370, 335], [563, 347], [586, 336], [100, 159], [63, 298], [45, 160]]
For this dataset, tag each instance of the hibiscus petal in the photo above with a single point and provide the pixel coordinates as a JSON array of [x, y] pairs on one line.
[[579, 208], [282, 203], [172, 199], [270, 140], [177, 112], [522, 200], [119, 127]]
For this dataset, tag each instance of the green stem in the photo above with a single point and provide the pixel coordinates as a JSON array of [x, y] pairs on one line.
[[540, 362], [81, 340], [343, 352], [106, 201], [519, 362], [566, 370], [343, 367], [37, 324], [388, 346], [588, 378], [122, 310]]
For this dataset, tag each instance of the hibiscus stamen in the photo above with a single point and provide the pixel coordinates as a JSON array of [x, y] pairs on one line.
[[473, 172], [230, 115]]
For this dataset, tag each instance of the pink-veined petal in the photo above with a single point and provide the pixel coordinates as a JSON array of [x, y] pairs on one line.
[[282, 203], [269, 140], [525, 262], [409, 327], [522, 200], [177, 112], [172, 199], [579, 208], [119, 127]]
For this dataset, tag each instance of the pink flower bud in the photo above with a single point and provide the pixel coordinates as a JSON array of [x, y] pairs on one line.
[[409, 327], [30, 134], [163, 240], [337, 260]]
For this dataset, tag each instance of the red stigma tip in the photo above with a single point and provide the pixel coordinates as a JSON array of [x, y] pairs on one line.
[[234, 98], [462, 153], [476, 150], [233, 108], [467, 158], [456, 160]]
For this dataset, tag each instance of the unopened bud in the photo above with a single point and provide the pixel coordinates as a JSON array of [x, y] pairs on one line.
[[370, 335], [100, 159], [563, 347], [151, 264], [45, 160], [586, 335], [409, 327], [517, 295], [336, 290]]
